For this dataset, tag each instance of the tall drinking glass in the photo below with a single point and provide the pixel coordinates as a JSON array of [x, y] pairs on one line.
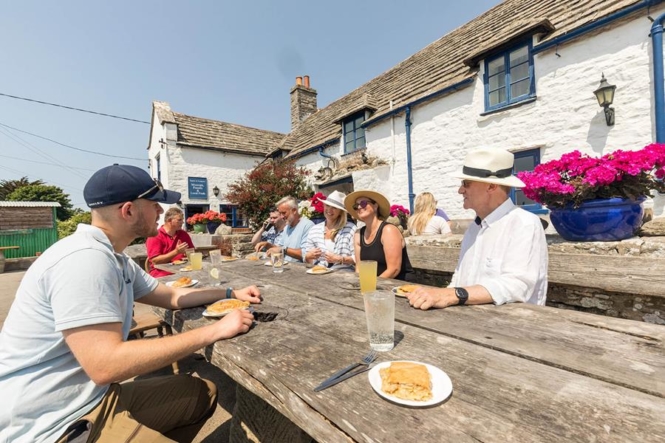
[[196, 260], [216, 261], [367, 271], [380, 312], [277, 261], [188, 252]]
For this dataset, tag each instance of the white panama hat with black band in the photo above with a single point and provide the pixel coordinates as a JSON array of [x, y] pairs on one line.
[[490, 166]]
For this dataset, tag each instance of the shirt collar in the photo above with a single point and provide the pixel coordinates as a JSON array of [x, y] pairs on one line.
[[497, 214], [95, 233]]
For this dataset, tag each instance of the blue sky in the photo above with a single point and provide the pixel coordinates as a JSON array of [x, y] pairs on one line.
[[229, 61]]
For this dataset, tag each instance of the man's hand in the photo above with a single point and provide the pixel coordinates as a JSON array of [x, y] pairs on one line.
[[250, 294], [181, 247], [236, 322], [260, 246], [275, 250], [425, 298], [333, 258]]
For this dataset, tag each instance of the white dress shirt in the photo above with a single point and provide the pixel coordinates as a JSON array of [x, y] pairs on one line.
[[507, 254]]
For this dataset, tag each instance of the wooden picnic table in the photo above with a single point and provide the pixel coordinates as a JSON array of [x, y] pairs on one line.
[[519, 372]]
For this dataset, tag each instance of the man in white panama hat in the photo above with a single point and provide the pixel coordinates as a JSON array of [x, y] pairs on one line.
[[503, 257]]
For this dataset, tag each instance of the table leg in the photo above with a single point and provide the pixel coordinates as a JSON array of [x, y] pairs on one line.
[[2, 261], [256, 421]]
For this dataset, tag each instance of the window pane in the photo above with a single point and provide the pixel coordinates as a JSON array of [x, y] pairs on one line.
[[520, 55], [495, 66], [349, 146], [519, 88], [359, 121], [524, 163], [348, 127], [360, 143], [360, 132], [520, 199], [497, 81], [498, 96], [519, 72]]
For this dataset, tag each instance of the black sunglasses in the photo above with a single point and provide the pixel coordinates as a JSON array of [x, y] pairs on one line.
[[158, 187], [363, 204]]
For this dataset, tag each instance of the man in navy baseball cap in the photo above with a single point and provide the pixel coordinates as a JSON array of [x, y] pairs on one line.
[[121, 183], [74, 310]]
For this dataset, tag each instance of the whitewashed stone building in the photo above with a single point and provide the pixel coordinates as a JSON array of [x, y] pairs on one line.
[[519, 77]]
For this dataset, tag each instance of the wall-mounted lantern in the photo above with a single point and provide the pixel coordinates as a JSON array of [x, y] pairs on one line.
[[215, 191], [605, 96]]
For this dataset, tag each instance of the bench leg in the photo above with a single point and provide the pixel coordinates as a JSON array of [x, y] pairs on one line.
[[2, 261], [256, 421]]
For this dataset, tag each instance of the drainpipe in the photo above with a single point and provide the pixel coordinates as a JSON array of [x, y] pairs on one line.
[[658, 77], [325, 155], [407, 125]]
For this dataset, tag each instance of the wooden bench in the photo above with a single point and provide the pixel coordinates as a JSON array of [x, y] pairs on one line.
[[2, 256]]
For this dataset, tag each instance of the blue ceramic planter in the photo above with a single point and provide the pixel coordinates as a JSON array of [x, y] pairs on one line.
[[212, 226], [604, 219]]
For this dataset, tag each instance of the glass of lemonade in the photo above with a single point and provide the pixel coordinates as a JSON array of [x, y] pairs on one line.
[[216, 261], [188, 252], [277, 261], [380, 313], [196, 260], [367, 271]]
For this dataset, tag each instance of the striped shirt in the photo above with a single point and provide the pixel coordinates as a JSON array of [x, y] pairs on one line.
[[343, 242]]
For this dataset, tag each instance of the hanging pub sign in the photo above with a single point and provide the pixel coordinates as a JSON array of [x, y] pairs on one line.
[[197, 187]]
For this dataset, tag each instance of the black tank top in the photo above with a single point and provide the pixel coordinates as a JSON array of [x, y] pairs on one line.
[[374, 251]]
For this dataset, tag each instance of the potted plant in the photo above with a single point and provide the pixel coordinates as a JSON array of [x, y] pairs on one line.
[[209, 220], [399, 216], [312, 208], [597, 198]]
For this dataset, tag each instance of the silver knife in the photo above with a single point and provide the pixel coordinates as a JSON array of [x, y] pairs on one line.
[[333, 381]]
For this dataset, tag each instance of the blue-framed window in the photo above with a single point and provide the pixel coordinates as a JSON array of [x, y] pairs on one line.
[[526, 161], [194, 209], [354, 133], [509, 77], [234, 217]]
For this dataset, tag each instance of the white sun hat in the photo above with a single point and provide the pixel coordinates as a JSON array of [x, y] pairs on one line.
[[335, 200], [489, 165]]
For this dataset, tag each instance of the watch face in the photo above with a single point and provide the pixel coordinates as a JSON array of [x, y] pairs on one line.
[[462, 294]]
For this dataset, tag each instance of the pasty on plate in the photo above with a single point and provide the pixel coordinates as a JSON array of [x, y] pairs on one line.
[[228, 305], [252, 257], [406, 289], [178, 262], [319, 268], [408, 381], [181, 282]]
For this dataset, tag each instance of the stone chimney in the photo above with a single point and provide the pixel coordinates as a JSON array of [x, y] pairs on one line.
[[303, 102]]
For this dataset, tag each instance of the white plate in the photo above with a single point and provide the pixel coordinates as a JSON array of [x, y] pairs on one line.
[[397, 293], [442, 387], [186, 286], [312, 271], [215, 314]]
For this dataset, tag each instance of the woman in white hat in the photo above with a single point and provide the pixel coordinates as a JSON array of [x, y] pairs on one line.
[[378, 240], [330, 243]]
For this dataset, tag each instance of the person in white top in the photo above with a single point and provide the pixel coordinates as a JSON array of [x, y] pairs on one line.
[[503, 257], [424, 220]]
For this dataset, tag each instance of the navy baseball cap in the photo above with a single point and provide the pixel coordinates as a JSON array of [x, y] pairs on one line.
[[123, 183]]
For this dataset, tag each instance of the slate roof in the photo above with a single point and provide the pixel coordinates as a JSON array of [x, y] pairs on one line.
[[442, 63], [213, 134]]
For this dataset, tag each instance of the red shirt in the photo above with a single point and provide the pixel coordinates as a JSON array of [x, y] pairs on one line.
[[163, 243]]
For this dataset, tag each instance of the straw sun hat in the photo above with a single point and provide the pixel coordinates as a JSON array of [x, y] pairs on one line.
[[490, 166], [384, 205]]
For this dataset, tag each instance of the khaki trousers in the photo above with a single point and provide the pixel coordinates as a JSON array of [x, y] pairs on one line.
[[161, 409]]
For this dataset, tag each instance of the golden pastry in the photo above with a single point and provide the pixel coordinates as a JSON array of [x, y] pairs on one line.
[[181, 282], [318, 268], [408, 381], [225, 306], [406, 289]]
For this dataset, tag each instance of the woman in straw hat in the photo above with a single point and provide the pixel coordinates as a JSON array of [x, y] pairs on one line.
[[424, 220], [331, 243], [378, 240]]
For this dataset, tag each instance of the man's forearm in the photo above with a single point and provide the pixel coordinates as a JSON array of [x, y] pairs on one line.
[[293, 253], [164, 258], [257, 236]]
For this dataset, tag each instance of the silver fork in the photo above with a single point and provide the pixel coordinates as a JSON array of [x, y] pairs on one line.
[[366, 360]]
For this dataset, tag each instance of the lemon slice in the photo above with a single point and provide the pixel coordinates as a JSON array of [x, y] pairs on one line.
[[214, 273]]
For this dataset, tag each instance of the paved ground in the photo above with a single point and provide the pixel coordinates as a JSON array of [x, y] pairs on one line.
[[217, 427]]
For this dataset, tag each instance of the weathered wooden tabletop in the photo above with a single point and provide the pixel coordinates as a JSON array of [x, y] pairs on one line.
[[520, 373]]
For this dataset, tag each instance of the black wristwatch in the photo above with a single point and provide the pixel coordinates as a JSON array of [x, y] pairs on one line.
[[462, 295]]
